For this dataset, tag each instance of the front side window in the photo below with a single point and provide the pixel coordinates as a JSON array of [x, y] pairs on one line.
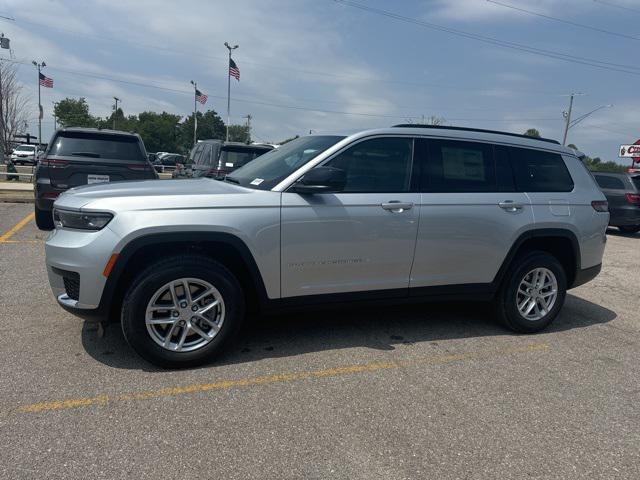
[[539, 171], [377, 165]]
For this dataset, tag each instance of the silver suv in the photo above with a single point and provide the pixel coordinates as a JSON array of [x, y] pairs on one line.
[[403, 214]]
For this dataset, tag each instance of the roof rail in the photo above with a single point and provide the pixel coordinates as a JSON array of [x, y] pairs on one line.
[[479, 130]]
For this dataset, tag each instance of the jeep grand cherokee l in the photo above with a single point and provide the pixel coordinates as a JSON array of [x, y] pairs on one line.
[[80, 156], [398, 214]]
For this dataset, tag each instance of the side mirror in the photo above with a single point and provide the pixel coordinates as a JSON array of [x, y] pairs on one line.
[[321, 180]]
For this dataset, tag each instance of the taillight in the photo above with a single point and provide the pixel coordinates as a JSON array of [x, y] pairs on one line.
[[600, 205], [51, 195], [632, 198], [216, 172], [55, 163], [137, 166]]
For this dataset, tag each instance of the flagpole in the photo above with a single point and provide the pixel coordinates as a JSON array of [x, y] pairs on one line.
[[39, 67], [195, 111], [230, 48]]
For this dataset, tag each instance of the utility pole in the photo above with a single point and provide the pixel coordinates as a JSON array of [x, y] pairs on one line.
[[231, 49], [39, 67], [115, 111], [195, 111], [248, 126], [55, 119], [567, 117]]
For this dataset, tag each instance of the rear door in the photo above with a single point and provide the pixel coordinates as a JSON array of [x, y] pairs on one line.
[[80, 158], [470, 214]]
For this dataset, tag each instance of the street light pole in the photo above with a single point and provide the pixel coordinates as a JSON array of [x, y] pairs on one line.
[[582, 117], [115, 112], [39, 67], [195, 111], [230, 48]]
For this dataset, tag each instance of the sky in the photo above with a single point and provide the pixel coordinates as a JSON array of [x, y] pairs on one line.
[[327, 66]]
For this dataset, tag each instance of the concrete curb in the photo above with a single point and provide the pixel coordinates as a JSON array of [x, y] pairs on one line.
[[11, 196]]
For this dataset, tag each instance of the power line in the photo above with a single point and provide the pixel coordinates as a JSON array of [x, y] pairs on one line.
[[630, 69], [279, 69], [615, 5], [260, 102], [568, 22]]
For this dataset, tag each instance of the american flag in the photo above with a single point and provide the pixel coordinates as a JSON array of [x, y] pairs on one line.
[[234, 71], [46, 81], [201, 97]]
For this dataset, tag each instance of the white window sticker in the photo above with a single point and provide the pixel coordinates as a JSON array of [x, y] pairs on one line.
[[228, 164], [257, 181]]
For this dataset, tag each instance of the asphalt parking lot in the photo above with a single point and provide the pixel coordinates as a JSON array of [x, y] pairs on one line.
[[429, 391]]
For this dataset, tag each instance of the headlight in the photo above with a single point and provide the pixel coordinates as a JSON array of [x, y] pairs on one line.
[[81, 220]]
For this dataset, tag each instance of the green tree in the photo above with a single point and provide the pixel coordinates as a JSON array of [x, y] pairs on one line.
[[532, 132], [239, 133], [159, 131], [74, 113], [210, 126]]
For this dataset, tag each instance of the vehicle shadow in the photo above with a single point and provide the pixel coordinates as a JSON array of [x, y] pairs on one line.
[[380, 328], [619, 233]]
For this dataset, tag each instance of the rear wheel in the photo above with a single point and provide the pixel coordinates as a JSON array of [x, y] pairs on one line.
[[182, 311], [532, 294], [630, 228], [44, 219]]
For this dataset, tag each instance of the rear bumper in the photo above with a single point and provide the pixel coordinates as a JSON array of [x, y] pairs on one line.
[[585, 275], [627, 216]]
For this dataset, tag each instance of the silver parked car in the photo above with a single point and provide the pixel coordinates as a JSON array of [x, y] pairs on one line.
[[402, 214]]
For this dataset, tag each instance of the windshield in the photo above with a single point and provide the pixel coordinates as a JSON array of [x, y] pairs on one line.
[[269, 169], [25, 148], [97, 145]]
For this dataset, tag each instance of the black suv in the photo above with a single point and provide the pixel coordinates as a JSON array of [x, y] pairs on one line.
[[623, 194], [215, 158], [80, 156]]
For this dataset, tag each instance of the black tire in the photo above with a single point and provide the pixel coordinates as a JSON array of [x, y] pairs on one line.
[[162, 272], [44, 219], [505, 303], [630, 228]]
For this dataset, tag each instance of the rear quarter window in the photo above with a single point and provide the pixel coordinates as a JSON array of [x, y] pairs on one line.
[[636, 181], [539, 171], [612, 183], [81, 144]]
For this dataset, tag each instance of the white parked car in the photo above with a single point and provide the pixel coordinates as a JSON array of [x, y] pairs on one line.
[[24, 154]]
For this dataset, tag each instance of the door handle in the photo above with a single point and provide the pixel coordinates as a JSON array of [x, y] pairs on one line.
[[510, 206], [396, 206]]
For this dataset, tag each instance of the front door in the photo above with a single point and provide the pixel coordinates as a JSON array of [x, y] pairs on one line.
[[360, 239]]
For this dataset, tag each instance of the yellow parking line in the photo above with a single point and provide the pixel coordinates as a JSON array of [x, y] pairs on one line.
[[13, 230], [272, 379]]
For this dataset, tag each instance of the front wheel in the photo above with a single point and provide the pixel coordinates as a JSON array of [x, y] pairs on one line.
[[532, 293], [182, 311], [630, 228]]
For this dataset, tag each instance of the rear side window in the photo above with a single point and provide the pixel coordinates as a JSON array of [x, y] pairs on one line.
[[539, 171], [85, 144], [613, 183], [636, 181], [454, 166], [234, 157]]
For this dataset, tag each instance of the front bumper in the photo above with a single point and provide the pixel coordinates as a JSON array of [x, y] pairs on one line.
[[84, 254]]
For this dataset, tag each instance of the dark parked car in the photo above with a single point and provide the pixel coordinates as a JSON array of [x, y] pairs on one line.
[[623, 194], [215, 158], [81, 156]]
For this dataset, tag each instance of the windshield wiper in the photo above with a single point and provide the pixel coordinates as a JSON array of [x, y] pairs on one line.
[[232, 180], [86, 154]]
